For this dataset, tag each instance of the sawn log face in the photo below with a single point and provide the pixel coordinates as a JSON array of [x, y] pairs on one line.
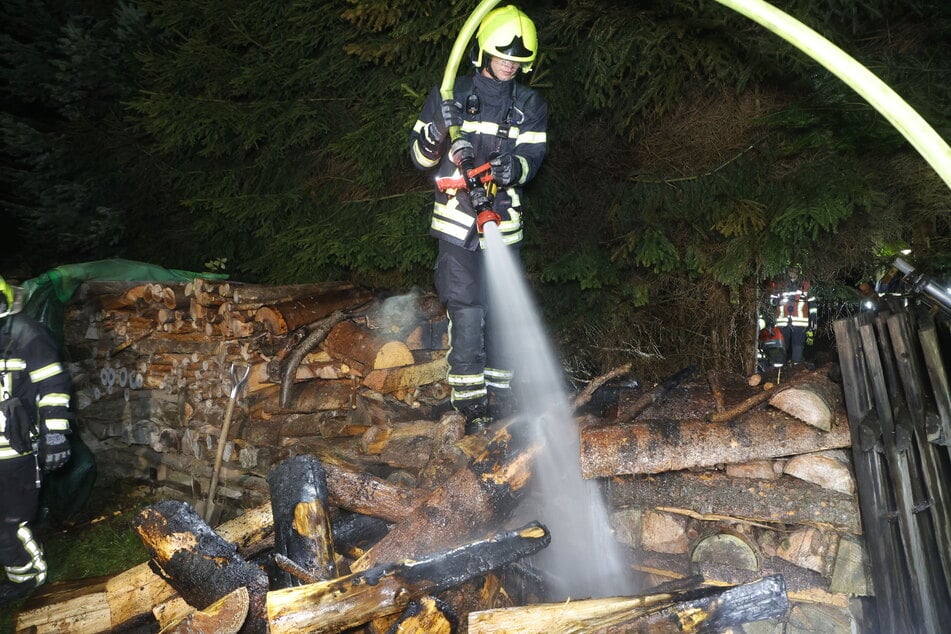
[[197, 562]]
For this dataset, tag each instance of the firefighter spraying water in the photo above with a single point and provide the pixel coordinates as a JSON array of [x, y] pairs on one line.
[[485, 133]]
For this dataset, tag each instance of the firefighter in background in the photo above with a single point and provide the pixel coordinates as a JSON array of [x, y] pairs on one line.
[[34, 423], [795, 312], [503, 123]]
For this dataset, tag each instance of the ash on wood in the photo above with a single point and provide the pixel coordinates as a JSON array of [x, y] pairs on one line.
[[348, 601], [302, 526], [704, 609], [197, 562]]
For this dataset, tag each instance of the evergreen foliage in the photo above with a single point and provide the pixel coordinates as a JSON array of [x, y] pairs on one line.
[[692, 154]]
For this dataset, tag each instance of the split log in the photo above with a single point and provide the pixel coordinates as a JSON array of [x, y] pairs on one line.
[[314, 396], [656, 446], [198, 562], [658, 393], [423, 371], [225, 616], [828, 469], [335, 605], [850, 572], [475, 497], [704, 609], [302, 528], [813, 402], [365, 349], [809, 548], [714, 496]]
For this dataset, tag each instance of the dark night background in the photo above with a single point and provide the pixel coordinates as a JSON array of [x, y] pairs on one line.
[[692, 154]]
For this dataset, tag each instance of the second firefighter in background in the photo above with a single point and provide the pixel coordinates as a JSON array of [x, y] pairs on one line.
[[504, 123], [796, 311]]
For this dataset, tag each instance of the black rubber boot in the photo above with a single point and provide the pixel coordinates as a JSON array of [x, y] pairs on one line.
[[10, 592], [502, 403], [477, 417]]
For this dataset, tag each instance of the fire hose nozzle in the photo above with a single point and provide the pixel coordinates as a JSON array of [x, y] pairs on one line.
[[487, 216]]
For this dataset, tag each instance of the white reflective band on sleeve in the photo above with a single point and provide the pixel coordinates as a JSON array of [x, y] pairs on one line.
[[422, 159], [57, 424], [46, 372], [8, 452], [450, 211], [12, 365], [54, 399]]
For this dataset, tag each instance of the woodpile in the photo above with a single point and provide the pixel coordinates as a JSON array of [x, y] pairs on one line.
[[747, 491], [152, 372], [733, 484]]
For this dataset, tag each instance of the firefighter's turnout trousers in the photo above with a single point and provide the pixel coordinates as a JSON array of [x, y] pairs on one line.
[[477, 358], [20, 553]]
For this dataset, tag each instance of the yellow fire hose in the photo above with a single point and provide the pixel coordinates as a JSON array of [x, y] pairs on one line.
[[905, 119], [885, 100]]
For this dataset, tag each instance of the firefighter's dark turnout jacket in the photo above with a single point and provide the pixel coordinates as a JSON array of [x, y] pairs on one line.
[[30, 370], [499, 117]]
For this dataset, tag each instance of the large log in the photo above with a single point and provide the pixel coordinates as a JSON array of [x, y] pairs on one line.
[[338, 604], [712, 496], [198, 562], [248, 295], [656, 446], [366, 349], [362, 493], [302, 527], [704, 609], [475, 497]]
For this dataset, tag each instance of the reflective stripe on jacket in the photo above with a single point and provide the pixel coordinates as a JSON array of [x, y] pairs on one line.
[[30, 370], [511, 118]]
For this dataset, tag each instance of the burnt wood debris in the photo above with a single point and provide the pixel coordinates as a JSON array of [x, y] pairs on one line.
[[351, 500]]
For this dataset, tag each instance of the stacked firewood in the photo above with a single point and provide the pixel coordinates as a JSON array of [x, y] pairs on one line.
[[717, 479], [152, 367], [731, 484]]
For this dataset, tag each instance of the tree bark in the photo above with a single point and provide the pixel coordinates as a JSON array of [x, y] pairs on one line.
[[713, 496], [656, 446]]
